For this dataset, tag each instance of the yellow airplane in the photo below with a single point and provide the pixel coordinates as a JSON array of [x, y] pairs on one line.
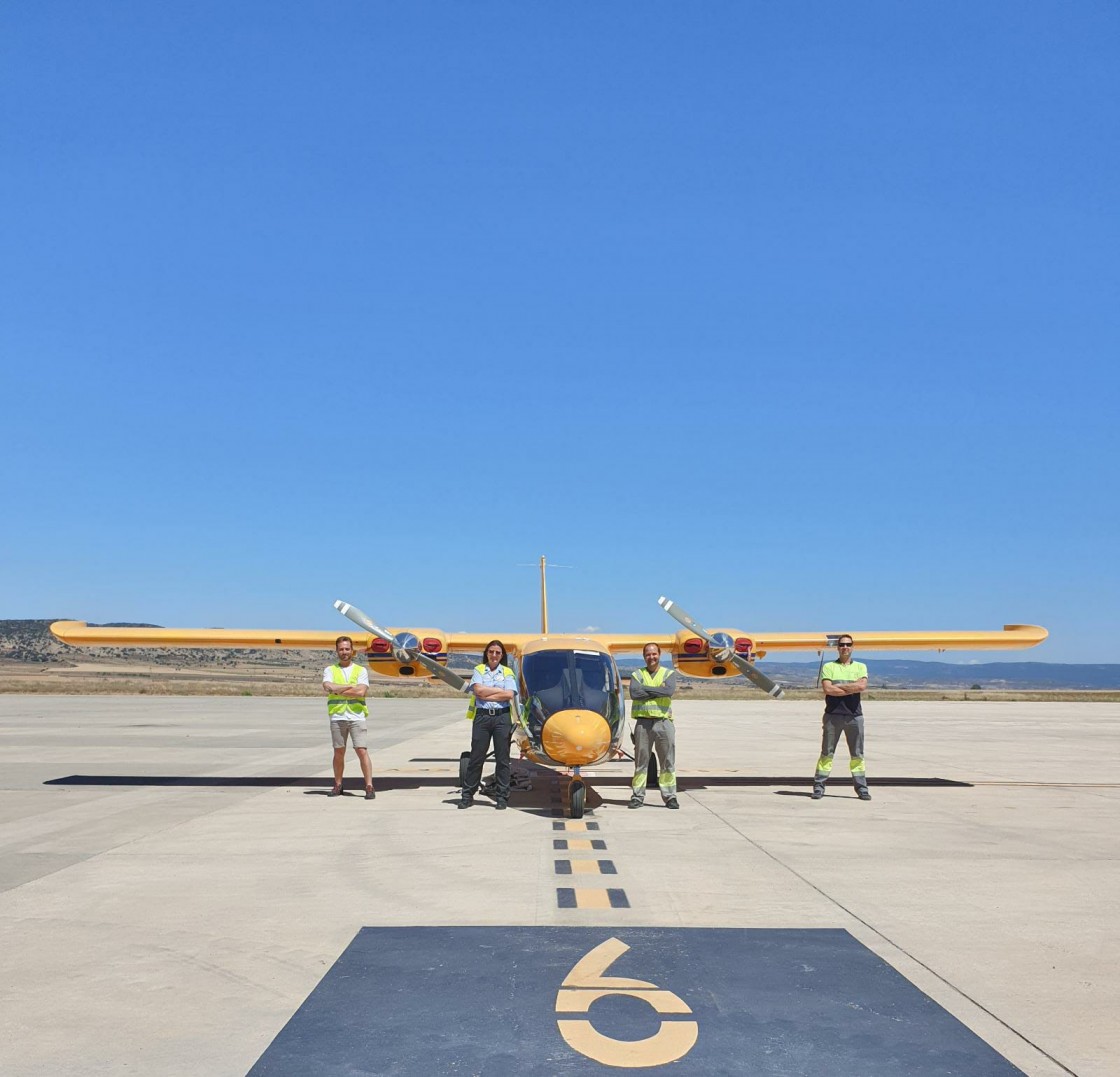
[[571, 713]]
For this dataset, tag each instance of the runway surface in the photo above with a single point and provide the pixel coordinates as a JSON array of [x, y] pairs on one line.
[[178, 895]]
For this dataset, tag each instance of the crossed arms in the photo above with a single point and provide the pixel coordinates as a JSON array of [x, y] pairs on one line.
[[844, 688], [639, 691], [356, 691]]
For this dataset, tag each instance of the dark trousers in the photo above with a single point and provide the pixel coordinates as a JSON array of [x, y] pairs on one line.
[[486, 728]]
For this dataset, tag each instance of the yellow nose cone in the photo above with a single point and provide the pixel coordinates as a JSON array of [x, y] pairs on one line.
[[576, 738]]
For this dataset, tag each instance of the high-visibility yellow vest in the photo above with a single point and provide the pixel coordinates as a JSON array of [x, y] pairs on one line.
[[472, 705], [662, 706], [346, 708]]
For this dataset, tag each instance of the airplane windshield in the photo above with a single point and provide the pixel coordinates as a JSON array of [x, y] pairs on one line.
[[566, 680]]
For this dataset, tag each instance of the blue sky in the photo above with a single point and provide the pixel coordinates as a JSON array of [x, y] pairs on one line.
[[803, 314]]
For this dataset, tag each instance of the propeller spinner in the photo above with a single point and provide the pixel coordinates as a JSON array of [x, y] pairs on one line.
[[406, 647], [723, 647]]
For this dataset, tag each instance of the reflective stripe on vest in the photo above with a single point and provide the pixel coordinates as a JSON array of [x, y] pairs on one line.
[[472, 705], [346, 708], [662, 706]]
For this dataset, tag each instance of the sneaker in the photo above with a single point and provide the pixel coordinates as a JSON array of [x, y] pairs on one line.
[[371, 793], [501, 805], [634, 803], [466, 802], [863, 794], [818, 792], [672, 803], [336, 791]]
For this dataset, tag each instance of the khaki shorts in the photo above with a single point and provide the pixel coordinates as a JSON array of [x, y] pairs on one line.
[[356, 730]]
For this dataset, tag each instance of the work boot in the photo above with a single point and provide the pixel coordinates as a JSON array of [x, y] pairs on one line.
[[371, 794], [818, 792], [336, 791], [863, 794], [465, 802], [501, 805], [635, 802], [672, 803]]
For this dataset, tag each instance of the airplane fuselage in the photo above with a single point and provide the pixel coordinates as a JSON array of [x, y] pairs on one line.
[[572, 709]]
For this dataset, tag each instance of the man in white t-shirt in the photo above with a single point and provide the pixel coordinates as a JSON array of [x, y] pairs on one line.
[[346, 684]]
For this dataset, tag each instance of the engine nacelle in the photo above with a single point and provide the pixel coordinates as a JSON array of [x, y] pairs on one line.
[[694, 658], [385, 659]]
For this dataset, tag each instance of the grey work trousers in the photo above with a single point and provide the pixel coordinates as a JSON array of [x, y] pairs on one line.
[[658, 735], [852, 729]]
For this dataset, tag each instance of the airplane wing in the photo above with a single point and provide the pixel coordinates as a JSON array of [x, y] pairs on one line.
[[424, 652], [1010, 637], [80, 634], [723, 652], [389, 651]]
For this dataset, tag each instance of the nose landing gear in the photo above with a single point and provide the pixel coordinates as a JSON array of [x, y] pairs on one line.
[[577, 795]]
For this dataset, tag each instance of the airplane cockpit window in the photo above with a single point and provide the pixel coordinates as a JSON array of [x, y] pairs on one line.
[[569, 680]]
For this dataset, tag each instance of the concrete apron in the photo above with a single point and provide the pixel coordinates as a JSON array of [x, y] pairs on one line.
[[179, 896]]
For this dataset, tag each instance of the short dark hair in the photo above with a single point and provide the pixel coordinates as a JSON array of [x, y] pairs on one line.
[[496, 643], [340, 639], [651, 644], [847, 636]]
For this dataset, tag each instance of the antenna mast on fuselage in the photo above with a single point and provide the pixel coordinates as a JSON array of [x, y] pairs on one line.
[[544, 590], [544, 599]]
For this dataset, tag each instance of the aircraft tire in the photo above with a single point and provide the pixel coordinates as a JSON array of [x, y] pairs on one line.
[[651, 772], [464, 761], [577, 797]]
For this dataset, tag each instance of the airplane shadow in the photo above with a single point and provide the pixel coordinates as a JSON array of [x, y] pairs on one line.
[[321, 786], [314, 786], [751, 780]]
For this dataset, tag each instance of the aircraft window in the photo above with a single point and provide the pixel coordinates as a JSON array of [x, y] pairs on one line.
[[560, 680]]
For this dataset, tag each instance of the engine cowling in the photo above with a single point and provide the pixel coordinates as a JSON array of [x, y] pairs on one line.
[[391, 660], [693, 657]]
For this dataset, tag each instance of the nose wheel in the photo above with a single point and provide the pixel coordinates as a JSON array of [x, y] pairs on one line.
[[577, 798]]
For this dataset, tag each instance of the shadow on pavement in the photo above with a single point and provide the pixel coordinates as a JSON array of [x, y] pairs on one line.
[[684, 783]]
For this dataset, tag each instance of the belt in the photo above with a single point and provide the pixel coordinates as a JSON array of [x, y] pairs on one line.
[[487, 710]]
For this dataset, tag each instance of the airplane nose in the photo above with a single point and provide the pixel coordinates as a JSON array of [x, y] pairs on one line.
[[576, 737]]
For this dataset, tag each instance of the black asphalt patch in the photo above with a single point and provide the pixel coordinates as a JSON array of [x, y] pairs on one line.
[[512, 1001]]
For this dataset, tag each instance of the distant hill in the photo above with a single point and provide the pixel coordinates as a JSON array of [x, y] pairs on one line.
[[992, 676], [30, 641]]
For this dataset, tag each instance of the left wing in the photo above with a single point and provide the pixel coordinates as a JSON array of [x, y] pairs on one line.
[[418, 653], [80, 634]]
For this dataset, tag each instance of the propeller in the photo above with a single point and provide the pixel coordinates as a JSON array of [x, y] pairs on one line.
[[723, 648], [406, 647]]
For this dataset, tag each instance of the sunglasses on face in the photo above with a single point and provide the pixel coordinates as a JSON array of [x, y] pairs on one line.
[[845, 645]]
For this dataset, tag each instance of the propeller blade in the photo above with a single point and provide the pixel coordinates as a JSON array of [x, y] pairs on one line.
[[440, 670], [362, 620], [414, 655], [674, 611], [757, 677], [725, 654]]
